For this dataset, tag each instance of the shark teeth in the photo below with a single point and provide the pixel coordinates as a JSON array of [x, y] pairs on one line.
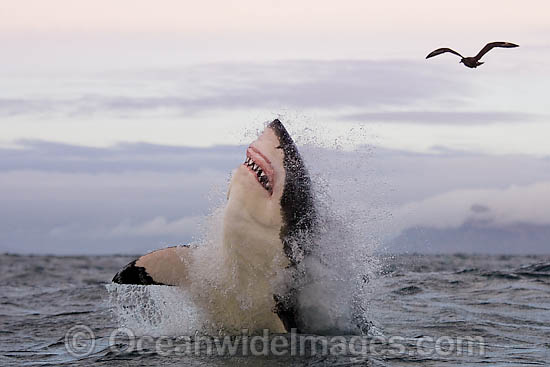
[[260, 174]]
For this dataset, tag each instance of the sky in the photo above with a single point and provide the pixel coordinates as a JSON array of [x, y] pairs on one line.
[[121, 122]]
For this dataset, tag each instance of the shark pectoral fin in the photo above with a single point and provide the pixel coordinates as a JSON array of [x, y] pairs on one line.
[[167, 266]]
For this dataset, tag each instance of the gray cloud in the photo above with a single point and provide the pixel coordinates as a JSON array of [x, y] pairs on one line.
[[496, 206], [443, 117], [128, 198], [478, 208], [19, 106], [475, 237], [132, 198], [123, 212], [295, 84], [409, 176], [47, 156]]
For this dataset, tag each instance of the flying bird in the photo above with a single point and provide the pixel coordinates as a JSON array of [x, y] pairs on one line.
[[473, 62]]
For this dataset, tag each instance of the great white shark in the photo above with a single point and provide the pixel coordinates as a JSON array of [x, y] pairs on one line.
[[252, 279]]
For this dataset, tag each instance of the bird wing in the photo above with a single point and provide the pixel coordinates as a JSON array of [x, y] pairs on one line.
[[440, 51], [490, 45]]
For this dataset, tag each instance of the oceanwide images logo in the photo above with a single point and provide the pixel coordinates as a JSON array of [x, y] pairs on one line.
[[80, 341]]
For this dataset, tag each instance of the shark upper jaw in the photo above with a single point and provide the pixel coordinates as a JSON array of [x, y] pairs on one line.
[[260, 166]]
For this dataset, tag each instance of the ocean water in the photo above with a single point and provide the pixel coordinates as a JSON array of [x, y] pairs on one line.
[[444, 310]]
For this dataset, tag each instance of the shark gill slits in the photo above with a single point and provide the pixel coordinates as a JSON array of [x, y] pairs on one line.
[[260, 174]]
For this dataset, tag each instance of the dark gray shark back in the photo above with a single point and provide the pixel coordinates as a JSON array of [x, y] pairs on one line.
[[297, 204], [300, 219]]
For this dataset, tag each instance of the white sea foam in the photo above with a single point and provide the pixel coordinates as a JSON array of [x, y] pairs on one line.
[[155, 310]]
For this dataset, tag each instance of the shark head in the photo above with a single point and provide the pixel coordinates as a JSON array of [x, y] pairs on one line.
[[270, 201]]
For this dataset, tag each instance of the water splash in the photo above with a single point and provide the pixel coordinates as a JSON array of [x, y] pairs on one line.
[[333, 297], [155, 310], [340, 269]]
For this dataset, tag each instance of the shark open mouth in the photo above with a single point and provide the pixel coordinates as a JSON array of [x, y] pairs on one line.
[[260, 166]]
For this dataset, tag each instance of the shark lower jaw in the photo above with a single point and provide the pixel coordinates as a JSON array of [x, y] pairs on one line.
[[260, 167]]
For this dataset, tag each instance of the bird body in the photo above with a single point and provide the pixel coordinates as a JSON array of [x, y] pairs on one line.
[[473, 61]]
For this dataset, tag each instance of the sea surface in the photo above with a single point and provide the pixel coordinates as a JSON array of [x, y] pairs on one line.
[[445, 310]]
